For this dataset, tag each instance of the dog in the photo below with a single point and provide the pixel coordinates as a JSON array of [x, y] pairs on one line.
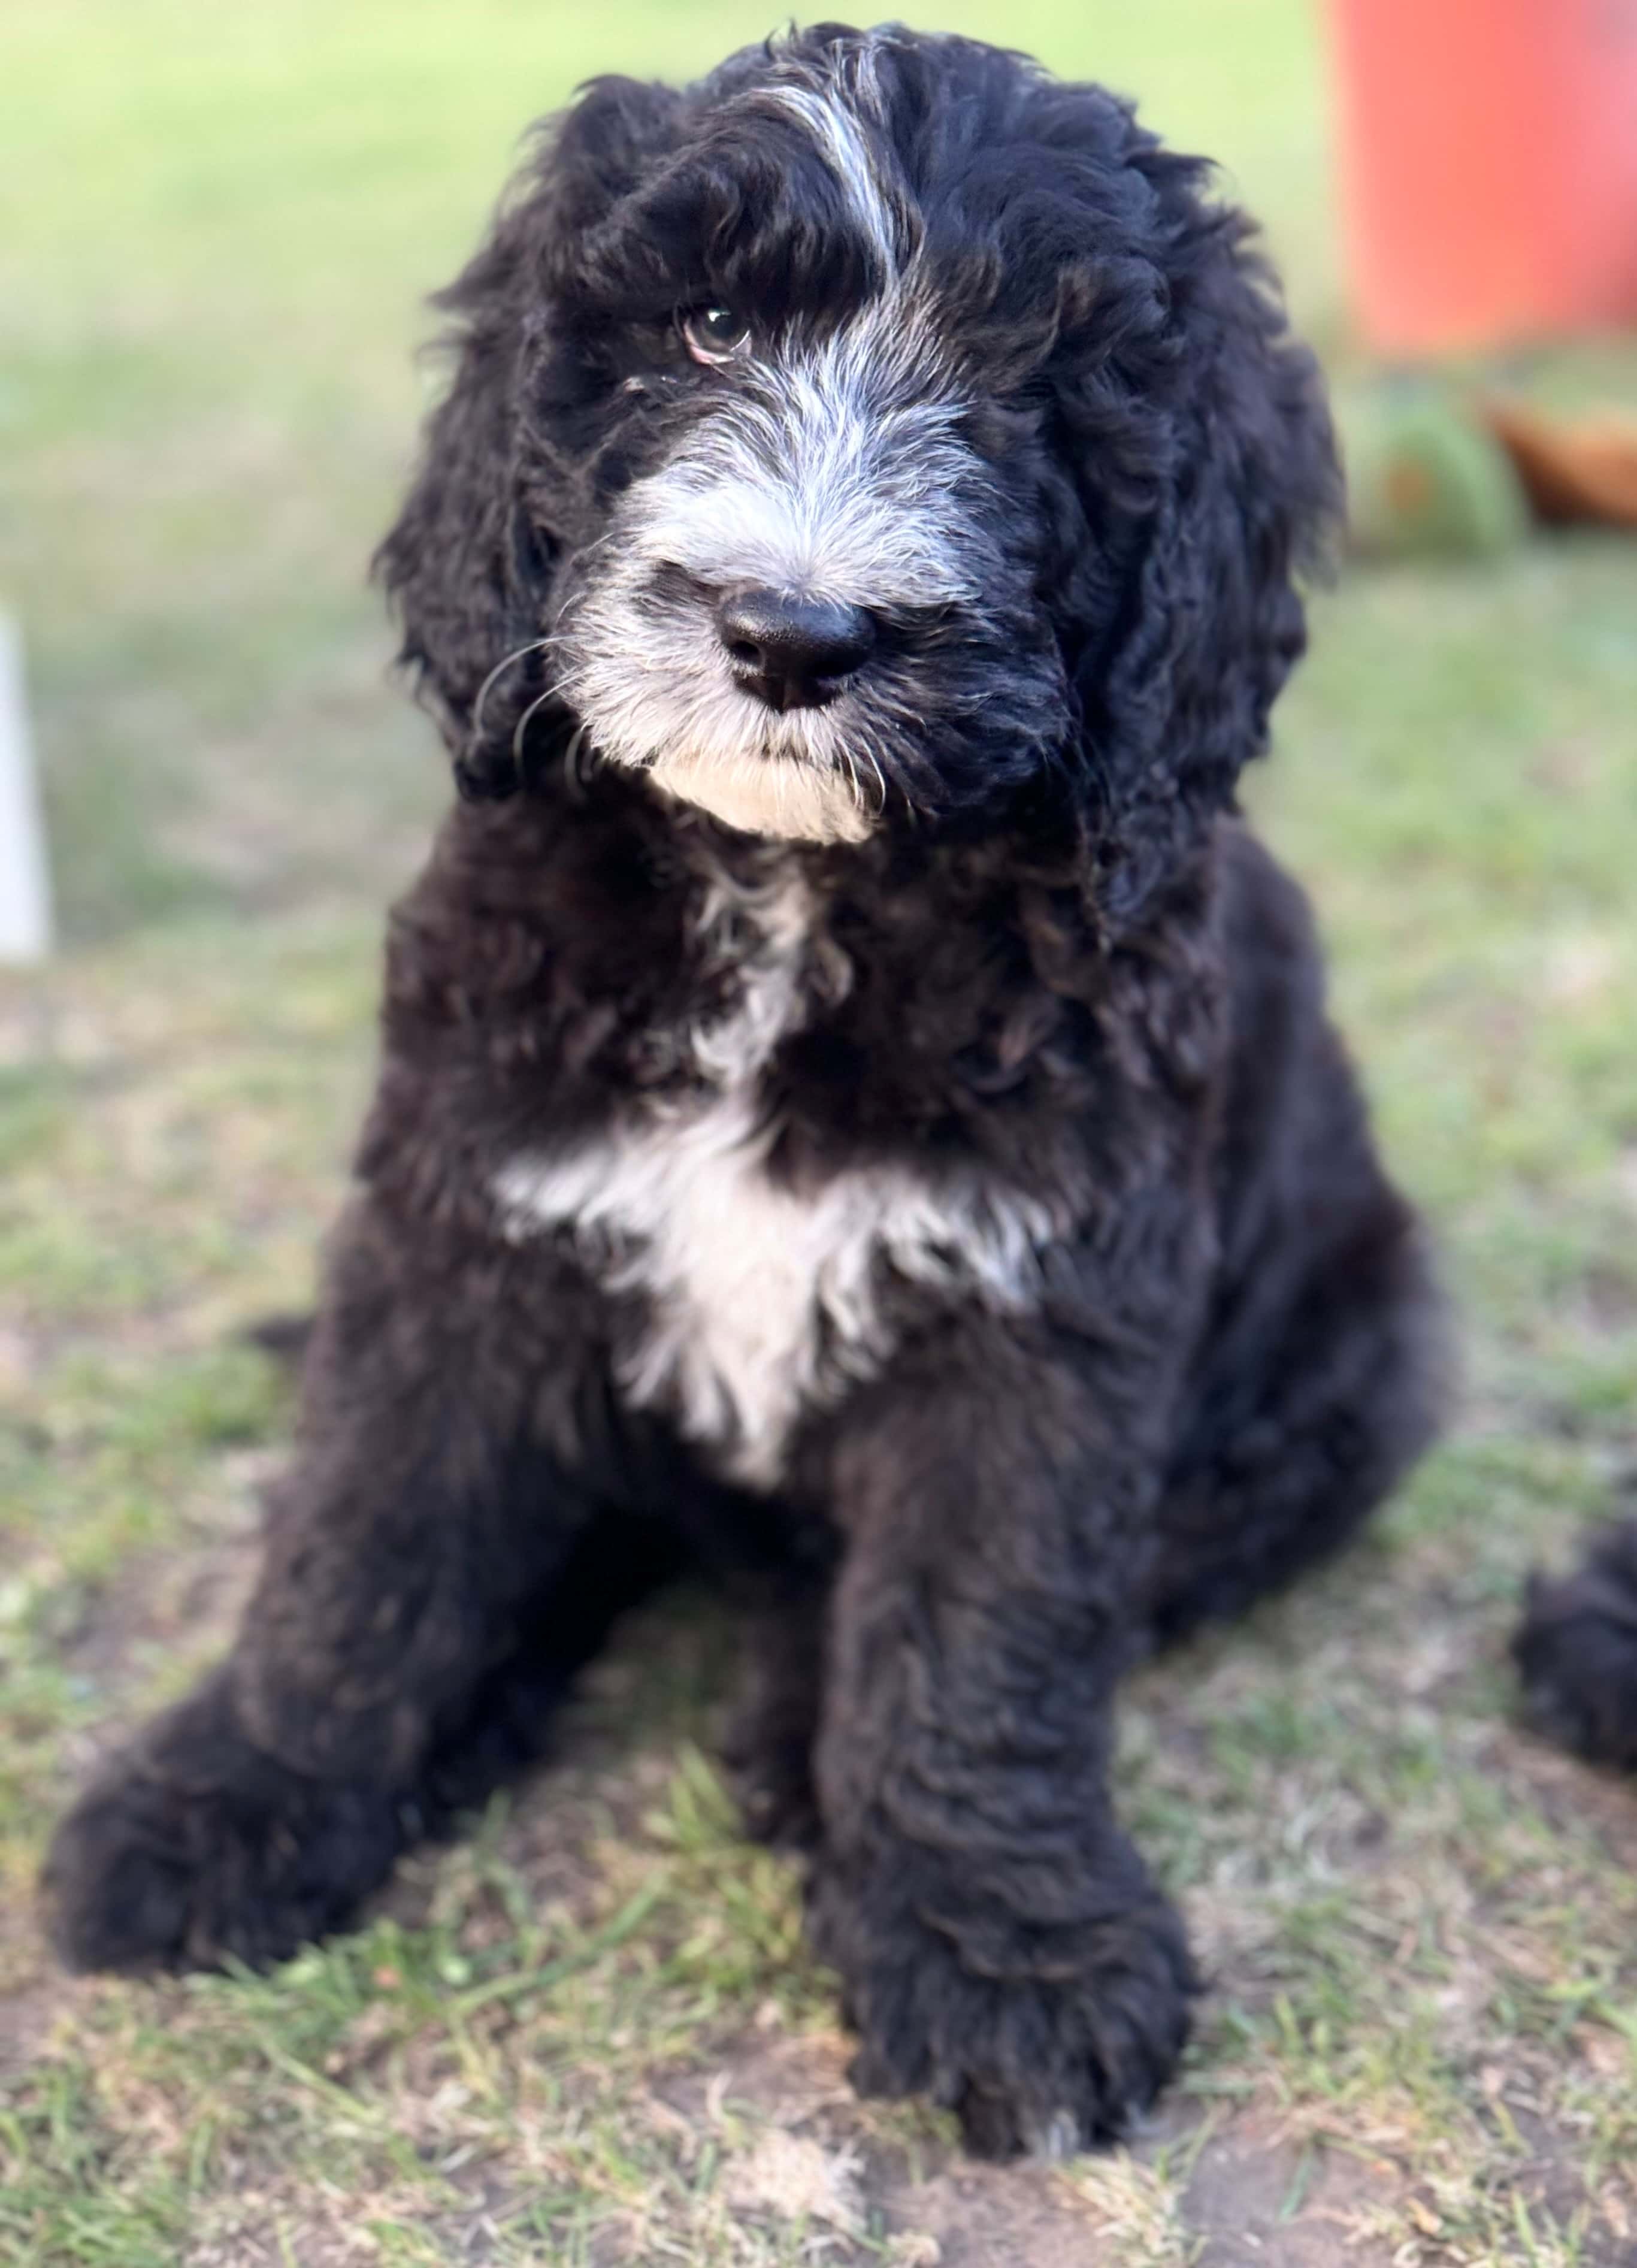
[[857, 1112]]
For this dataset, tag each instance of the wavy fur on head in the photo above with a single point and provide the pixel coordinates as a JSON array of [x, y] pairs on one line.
[[857, 1112]]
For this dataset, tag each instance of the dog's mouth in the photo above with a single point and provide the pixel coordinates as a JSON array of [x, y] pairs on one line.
[[791, 709], [748, 700], [782, 798]]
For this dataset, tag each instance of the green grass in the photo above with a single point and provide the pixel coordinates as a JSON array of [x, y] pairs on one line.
[[590, 2033]]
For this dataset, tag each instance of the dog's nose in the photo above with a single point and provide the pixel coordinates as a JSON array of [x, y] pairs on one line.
[[792, 652]]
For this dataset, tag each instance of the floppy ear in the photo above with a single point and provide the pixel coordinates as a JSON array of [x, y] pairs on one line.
[[1240, 494], [469, 563]]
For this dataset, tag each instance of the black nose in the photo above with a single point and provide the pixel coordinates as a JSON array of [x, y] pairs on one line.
[[792, 652]]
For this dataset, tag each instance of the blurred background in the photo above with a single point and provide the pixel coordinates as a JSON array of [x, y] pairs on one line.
[[217, 227]]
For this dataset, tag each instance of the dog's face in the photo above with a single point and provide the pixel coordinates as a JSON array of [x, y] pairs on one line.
[[878, 433], [816, 599]]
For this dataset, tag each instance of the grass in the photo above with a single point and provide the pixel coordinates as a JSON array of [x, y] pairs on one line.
[[590, 2033]]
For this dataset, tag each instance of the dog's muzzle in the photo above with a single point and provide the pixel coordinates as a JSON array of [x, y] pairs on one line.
[[813, 613]]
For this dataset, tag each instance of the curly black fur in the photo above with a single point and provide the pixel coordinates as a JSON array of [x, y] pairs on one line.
[[1576, 1650], [1174, 1335]]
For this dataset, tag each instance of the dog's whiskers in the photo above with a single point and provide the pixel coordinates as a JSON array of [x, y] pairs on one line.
[[580, 760], [527, 718], [507, 661], [874, 762]]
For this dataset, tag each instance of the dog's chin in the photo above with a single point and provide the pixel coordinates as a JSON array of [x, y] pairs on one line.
[[775, 796]]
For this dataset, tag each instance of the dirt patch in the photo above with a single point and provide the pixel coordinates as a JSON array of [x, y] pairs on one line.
[[995, 2216], [805, 2146], [26, 2018], [1257, 2193]]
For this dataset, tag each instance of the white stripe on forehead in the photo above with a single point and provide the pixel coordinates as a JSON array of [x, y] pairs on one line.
[[819, 480], [839, 136]]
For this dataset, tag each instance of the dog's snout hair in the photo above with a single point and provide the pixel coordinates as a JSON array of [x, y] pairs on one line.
[[828, 470]]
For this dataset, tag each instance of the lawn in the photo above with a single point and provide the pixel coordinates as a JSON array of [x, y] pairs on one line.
[[589, 2033]]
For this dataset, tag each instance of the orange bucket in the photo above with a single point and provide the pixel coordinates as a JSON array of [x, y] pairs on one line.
[[1490, 167]]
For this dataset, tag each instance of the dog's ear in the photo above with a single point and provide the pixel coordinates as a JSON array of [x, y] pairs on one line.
[[1230, 493], [468, 564]]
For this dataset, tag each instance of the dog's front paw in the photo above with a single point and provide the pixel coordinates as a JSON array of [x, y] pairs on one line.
[[1042, 2039], [192, 1846], [1576, 1649]]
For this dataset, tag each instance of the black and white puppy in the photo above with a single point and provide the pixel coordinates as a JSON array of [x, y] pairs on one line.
[[857, 1110]]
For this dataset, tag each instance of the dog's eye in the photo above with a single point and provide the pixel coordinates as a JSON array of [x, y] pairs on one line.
[[714, 334]]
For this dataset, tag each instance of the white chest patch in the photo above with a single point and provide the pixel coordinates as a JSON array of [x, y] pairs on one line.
[[762, 1302]]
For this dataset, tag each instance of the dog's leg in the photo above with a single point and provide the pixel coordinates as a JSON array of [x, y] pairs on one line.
[[435, 1502], [1000, 1943], [768, 1747], [1302, 1422]]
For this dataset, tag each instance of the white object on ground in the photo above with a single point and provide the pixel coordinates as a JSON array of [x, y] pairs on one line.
[[24, 881]]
